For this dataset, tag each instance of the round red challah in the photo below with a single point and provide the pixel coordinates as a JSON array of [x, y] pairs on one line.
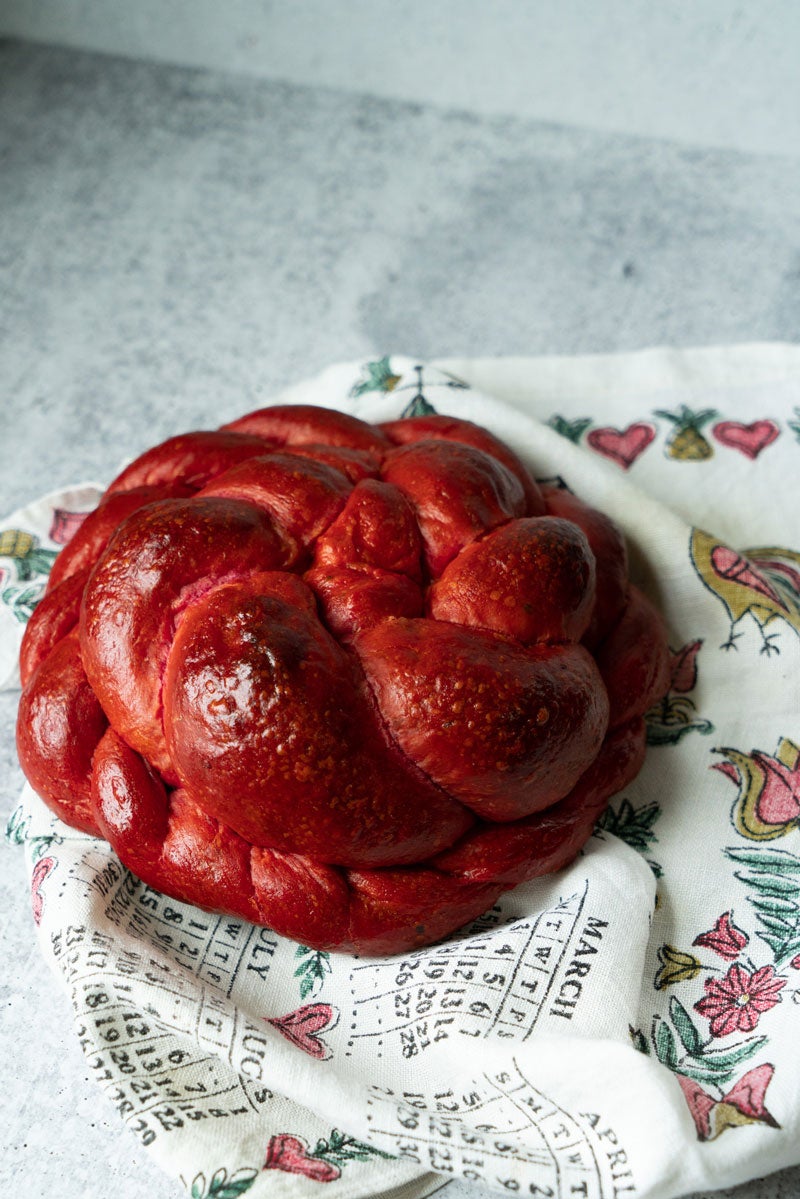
[[348, 681]]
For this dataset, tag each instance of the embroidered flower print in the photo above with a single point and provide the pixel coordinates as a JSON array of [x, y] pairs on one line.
[[736, 1002]]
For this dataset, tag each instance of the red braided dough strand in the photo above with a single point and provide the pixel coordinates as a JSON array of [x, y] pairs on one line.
[[351, 682]]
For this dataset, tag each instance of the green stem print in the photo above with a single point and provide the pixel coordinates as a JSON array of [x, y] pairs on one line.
[[679, 1045], [322, 1164], [418, 406]]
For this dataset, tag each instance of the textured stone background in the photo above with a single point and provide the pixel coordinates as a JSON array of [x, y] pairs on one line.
[[176, 244]]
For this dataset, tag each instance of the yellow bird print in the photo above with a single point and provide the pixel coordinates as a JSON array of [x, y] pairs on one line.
[[763, 583]]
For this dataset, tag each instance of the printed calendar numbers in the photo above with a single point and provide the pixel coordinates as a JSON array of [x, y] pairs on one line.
[[492, 984], [162, 1063], [474, 1134]]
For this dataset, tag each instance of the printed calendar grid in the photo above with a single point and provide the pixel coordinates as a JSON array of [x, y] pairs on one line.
[[485, 987], [473, 1138]]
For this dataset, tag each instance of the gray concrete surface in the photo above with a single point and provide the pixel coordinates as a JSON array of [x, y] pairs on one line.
[[720, 73]]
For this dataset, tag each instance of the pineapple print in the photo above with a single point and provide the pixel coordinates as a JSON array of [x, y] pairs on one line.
[[16, 543], [31, 565], [686, 442], [24, 550]]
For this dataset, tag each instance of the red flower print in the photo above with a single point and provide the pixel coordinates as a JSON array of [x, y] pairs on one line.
[[290, 1154], [40, 873], [736, 1002], [744, 1103], [724, 938]]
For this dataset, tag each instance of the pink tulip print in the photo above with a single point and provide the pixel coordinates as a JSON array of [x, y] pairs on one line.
[[683, 676], [768, 801], [41, 870], [674, 716], [744, 1103], [724, 938]]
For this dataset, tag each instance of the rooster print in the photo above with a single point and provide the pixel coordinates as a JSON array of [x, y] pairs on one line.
[[763, 583]]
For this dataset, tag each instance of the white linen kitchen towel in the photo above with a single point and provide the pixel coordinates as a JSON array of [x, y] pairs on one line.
[[627, 1027]]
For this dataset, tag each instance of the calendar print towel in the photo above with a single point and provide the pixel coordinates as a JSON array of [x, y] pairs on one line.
[[626, 1028]]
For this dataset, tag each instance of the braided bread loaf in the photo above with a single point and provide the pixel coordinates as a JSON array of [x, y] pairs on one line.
[[351, 682]]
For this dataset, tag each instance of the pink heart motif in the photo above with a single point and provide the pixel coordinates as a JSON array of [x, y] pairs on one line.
[[750, 440], [303, 1026], [290, 1154], [622, 446], [40, 873]]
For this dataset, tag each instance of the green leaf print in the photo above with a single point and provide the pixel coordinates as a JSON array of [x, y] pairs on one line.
[[17, 826], [664, 1042], [223, 1187], [685, 1027], [312, 969], [766, 861], [639, 1040], [774, 894], [573, 430], [632, 825], [700, 1060], [339, 1148]]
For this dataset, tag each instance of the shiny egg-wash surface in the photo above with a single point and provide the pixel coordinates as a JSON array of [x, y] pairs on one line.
[[345, 680]]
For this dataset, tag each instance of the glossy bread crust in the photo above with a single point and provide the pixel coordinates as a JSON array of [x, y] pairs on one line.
[[348, 681]]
